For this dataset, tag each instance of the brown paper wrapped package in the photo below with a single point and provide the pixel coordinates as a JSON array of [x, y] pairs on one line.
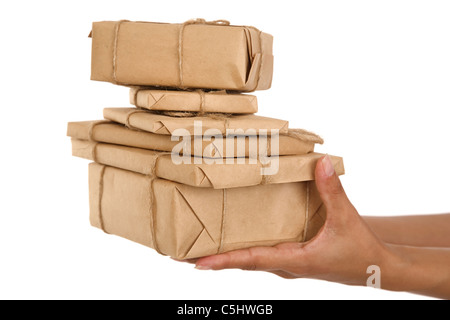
[[217, 176], [297, 141], [190, 55], [161, 124], [186, 222], [193, 101]]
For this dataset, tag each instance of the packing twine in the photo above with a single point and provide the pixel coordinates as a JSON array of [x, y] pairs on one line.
[[202, 95], [180, 48], [128, 118], [92, 127], [180, 45], [215, 116], [100, 198], [266, 179], [152, 202], [179, 114], [116, 40], [181, 42], [202, 104], [151, 178], [297, 133], [94, 152], [91, 137], [304, 135], [222, 227], [204, 22]]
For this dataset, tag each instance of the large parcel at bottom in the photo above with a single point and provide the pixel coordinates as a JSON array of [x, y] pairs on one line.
[[187, 222]]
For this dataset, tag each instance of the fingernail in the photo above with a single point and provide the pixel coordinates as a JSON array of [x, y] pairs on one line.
[[202, 268], [327, 166]]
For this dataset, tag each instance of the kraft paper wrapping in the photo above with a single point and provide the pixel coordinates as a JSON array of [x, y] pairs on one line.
[[185, 222], [296, 143], [190, 55], [193, 101], [217, 176], [161, 124]]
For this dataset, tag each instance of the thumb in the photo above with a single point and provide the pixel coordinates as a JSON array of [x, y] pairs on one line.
[[330, 187]]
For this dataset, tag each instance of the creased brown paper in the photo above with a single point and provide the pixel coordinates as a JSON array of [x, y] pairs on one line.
[[218, 176], [297, 142], [185, 222], [193, 101], [190, 55], [162, 124]]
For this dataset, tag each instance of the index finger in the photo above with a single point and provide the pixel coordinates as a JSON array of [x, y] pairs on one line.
[[259, 258]]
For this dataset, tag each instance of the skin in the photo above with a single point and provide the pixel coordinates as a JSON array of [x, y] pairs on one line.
[[413, 253], [418, 231]]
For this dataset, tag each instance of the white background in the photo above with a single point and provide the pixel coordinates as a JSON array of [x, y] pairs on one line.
[[371, 77]]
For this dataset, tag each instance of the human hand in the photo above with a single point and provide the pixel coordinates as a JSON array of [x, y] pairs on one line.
[[341, 252]]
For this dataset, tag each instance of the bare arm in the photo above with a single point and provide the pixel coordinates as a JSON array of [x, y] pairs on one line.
[[423, 271], [419, 231]]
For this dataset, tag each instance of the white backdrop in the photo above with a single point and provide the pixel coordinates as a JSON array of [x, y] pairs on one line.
[[371, 77]]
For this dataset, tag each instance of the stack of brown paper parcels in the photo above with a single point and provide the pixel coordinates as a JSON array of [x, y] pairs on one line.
[[190, 171]]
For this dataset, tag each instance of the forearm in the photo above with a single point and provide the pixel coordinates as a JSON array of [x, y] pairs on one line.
[[419, 231], [424, 271]]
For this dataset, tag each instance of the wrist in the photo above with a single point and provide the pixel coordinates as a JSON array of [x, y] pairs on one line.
[[396, 269], [417, 270]]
